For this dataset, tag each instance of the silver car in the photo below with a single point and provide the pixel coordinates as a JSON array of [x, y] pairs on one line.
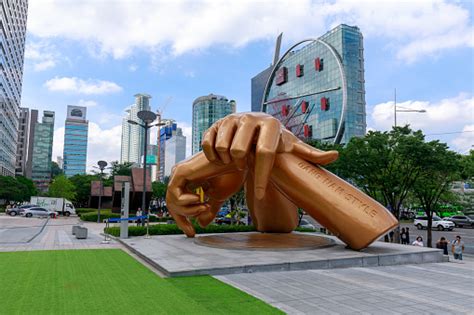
[[38, 212], [17, 210]]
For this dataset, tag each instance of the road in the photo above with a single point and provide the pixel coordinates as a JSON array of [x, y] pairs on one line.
[[467, 234]]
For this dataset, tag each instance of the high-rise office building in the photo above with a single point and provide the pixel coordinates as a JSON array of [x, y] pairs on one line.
[[172, 149], [258, 84], [133, 136], [206, 111], [42, 151], [12, 43], [75, 141], [175, 151], [317, 88], [22, 143]]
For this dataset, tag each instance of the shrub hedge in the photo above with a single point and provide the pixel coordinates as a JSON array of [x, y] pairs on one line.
[[92, 216], [170, 229], [80, 211]]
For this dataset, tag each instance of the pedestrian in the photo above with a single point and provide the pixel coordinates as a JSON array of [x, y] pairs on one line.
[[391, 236], [442, 243], [139, 214], [457, 248], [407, 230], [403, 236], [418, 241]]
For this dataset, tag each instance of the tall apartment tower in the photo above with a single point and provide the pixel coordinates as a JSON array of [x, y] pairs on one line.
[[206, 111], [12, 43], [22, 144], [42, 151], [133, 136], [75, 141]]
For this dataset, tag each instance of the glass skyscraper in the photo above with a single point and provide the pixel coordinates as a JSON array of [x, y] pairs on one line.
[[317, 88], [206, 111], [12, 47], [42, 151], [133, 136], [75, 141]]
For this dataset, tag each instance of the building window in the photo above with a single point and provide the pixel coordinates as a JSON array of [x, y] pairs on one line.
[[308, 131], [299, 70], [318, 64], [304, 106], [281, 76], [324, 103]]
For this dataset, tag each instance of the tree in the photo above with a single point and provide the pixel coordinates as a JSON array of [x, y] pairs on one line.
[[159, 191], [384, 164], [28, 188], [82, 183], [10, 190], [440, 167], [124, 168], [55, 170], [62, 187]]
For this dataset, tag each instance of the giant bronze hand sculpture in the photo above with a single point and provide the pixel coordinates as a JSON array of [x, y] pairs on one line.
[[280, 173]]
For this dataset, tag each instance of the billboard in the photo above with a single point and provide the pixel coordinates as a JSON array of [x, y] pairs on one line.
[[76, 112]]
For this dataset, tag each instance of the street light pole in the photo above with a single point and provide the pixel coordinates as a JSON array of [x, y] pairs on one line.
[[144, 210], [403, 110], [102, 165]]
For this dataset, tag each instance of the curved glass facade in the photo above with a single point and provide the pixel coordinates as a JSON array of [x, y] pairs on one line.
[[317, 90], [206, 111]]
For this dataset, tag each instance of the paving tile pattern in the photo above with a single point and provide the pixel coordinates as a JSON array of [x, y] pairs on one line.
[[442, 288]]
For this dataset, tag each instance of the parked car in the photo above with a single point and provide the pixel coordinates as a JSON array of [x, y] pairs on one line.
[[305, 224], [38, 212], [438, 223], [16, 211], [462, 220]]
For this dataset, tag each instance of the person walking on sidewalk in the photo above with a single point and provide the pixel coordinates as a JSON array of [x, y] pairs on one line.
[[457, 248], [443, 244], [403, 236]]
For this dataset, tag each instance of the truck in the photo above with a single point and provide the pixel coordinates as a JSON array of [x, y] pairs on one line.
[[60, 205]]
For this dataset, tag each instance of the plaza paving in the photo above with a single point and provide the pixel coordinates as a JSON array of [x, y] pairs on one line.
[[23, 234], [443, 288]]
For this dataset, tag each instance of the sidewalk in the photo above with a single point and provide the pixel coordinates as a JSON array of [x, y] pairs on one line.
[[23, 234], [442, 288]]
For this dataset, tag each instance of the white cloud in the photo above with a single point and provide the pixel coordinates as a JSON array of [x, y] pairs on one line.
[[445, 116], [132, 68], [465, 141], [414, 28], [104, 144], [87, 103], [79, 86], [41, 54]]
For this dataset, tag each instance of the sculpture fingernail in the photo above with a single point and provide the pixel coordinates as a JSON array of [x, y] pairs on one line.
[[259, 192]]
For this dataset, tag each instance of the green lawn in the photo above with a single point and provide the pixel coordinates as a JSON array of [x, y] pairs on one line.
[[110, 281]]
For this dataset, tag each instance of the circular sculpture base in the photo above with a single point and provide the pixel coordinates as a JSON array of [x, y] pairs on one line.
[[265, 241]]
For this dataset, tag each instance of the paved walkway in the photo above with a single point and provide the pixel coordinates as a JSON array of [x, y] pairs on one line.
[[443, 288], [21, 234]]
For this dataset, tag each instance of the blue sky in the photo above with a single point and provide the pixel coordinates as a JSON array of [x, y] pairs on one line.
[[100, 53]]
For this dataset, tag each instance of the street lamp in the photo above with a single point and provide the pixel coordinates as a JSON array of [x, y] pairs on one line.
[[147, 117], [102, 166], [403, 110]]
